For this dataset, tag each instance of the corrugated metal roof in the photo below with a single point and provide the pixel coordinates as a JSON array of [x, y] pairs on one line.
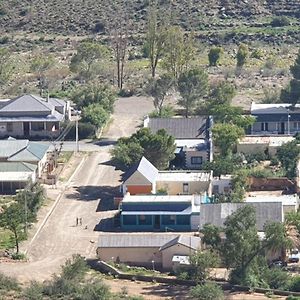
[[181, 128], [142, 207], [145, 168], [273, 108], [132, 240], [10, 147], [27, 103], [17, 167], [193, 242], [188, 176], [216, 214]]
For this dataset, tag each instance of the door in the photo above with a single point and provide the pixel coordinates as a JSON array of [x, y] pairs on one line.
[[281, 128], [157, 222], [26, 128]]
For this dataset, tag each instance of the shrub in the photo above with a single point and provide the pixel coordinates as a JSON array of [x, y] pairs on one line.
[[207, 291], [166, 112], [85, 131], [257, 53], [280, 21], [242, 55], [295, 284], [7, 283], [214, 55], [18, 256], [34, 291], [126, 93]]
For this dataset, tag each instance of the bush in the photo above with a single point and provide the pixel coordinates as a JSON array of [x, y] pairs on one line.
[[207, 291], [242, 55], [34, 291], [126, 93], [18, 256], [85, 131], [166, 112], [276, 278], [257, 53], [280, 21], [292, 298], [7, 283], [214, 55], [295, 284]]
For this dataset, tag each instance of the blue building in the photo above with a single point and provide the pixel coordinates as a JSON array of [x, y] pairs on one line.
[[160, 212]]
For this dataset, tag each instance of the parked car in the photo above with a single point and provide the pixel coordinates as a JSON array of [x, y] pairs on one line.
[[278, 264], [294, 256]]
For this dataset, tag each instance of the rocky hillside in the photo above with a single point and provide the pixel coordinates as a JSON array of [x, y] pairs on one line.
[[90, 16]]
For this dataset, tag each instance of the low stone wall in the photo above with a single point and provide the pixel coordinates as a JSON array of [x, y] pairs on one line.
[[108, 269]]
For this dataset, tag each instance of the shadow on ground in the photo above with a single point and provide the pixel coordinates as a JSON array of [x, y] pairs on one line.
[[165, 290], [105, 194]]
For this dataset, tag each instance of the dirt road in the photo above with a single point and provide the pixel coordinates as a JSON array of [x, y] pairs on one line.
[[86, 196]]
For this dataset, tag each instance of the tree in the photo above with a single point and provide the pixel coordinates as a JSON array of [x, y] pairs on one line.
[[118, 31], [155, 38], [88, 55], [167, 111], [201, 263], [192, 86], [211, 236], [242, 55], [291, 94], [222, 93], [7, 65], [40, 64], [95, 93], [288, 155], [207, 291], [158, 89], [158, 148], [226, 136], [221, 165], [95, 114], [241, 239], [13, 219], [227, 114], [214, 56], [178, 51]]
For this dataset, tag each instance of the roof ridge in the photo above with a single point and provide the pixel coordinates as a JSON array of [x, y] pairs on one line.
[[40, 101], [20, 150]]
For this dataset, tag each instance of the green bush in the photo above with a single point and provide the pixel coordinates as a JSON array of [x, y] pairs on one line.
[[242, 55], [7, 283], [34, 291], [295, 284], [166, 112], [85, 131], [207, 291], [18, 256], [214, 55], [292, 298], [280, 21]]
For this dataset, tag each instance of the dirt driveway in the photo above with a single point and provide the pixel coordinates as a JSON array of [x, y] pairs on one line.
[[88, 195]]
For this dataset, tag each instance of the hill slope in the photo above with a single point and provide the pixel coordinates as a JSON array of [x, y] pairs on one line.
[[82, 16]]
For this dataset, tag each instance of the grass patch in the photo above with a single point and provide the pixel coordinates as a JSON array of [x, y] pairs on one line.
[[6, 239], [64, 157]]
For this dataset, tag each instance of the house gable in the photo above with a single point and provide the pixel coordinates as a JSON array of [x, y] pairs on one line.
[[137, 178]]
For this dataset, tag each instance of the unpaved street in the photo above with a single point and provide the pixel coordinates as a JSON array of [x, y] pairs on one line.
[[88, 196]]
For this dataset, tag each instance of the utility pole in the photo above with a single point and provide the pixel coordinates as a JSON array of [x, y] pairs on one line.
[[76, 133], [25, 198]]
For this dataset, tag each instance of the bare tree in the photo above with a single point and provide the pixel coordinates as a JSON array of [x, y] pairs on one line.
[[118, 30]]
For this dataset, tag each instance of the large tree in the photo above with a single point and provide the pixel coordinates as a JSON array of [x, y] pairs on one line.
[[179, 51], [159, 89], [13, 218], [288, 155], [86, 58], [95, 114], [155, 37], [95, 93], [192, 86], [225, 137], [158, 148], [291, 94]]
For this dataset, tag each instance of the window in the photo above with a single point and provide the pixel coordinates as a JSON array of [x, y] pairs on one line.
[[9, 127], [145, 220], [185, 188], [168, 220], [196, 160], [37, 126], [264, 126], [183, 220], [129, 220], [296, 125]]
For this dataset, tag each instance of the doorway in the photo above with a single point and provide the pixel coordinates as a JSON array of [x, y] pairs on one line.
[[156, 222], [281, 128], [26, 128]]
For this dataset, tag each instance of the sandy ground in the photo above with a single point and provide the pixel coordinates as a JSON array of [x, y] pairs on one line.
[[156, 291]]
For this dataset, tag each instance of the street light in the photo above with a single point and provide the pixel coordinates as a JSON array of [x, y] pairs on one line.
[[153, 265]]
